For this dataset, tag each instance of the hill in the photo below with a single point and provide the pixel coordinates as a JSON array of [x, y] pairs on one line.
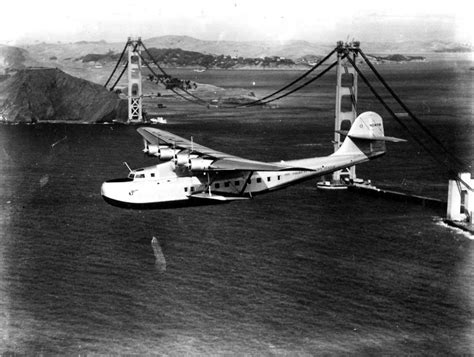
[[251, 49], [48, 94], [66, 54], [396, 58], [176, 57], [12, 58]]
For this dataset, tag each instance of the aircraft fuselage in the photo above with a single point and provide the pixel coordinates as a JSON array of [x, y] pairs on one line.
[[190, 174], [164, 186]]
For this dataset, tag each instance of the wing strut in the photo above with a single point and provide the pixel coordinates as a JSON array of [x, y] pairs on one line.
[[246, 183], [209, 183]]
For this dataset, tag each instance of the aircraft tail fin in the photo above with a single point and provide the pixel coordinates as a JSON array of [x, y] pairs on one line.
[[366, 136]]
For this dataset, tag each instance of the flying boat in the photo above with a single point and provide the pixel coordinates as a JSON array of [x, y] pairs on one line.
[[189, 174]]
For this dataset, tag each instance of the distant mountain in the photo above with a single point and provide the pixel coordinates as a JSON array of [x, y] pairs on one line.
[[291, 49], [110, 56], [61, 54], [396, 58], [12, 58], [456, 48], [49, 53], [176, 57], [412, 47], [43, 52], [250, 49]]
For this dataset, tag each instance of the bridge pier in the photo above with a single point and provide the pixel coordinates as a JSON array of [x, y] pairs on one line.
[[461, 199]]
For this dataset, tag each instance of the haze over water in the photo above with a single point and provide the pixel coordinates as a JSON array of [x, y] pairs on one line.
[[298, 271]]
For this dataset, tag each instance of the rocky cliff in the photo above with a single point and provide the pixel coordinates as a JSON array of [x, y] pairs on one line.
[[48, 94]]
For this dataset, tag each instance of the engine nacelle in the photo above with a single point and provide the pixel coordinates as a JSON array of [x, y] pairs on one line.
[[152, 150], [163, 152], [182, 160], [166, 153], [199, 164]]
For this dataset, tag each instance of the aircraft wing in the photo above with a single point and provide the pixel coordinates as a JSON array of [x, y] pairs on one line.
[[161, 137], [239, 164], [222, 161]]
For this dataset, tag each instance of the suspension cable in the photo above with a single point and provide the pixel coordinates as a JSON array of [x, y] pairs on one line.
[[124, 68], [172, 89], [293, 82], [392, 113], [153, 60], [260, 101], [117, 64], [409, 112], [202, 101], [120, 76], [301, 86], [159, 78], [386, 106]]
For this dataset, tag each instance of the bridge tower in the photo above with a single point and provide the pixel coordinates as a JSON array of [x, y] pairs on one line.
[[346, 102], [135, 97]]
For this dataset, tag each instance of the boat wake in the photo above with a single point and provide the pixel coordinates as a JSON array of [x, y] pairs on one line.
[[160, 261], [439, 222]]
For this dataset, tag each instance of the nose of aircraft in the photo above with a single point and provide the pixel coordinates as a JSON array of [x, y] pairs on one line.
[[111, 194], [118, 192], [106, 191], [113, 191], [103, 189]]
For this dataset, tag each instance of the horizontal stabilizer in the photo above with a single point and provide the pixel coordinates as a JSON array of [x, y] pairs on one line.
[[207, 196], [371, 137], [365, 137], [380, 138]]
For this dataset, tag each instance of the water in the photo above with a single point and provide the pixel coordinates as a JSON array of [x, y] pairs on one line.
[[298, 271]]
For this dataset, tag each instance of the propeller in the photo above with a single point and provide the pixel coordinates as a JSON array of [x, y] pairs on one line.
[[145, 149]]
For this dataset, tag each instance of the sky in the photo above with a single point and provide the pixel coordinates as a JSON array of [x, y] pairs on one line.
[[236, 20]]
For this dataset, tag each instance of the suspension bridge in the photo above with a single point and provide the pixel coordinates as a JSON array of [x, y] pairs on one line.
[[460, 206]]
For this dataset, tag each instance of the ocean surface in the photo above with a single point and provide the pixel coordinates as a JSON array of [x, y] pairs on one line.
[[294, 272]]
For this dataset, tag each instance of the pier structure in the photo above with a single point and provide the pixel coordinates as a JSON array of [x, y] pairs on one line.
[[135, 95], [461, 199]]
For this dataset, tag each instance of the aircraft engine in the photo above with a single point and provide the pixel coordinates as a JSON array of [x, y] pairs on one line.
[[152, 150], [182, 160], [199, 164], [163, 152], [166, 153]]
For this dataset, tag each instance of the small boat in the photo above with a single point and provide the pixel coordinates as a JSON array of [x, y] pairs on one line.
[[158, 120], [327, 185]]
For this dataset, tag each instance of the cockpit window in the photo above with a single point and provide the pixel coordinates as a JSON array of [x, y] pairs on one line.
[[136, 176]]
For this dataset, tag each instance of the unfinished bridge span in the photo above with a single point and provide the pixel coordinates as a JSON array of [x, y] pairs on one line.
[[135, 55]]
